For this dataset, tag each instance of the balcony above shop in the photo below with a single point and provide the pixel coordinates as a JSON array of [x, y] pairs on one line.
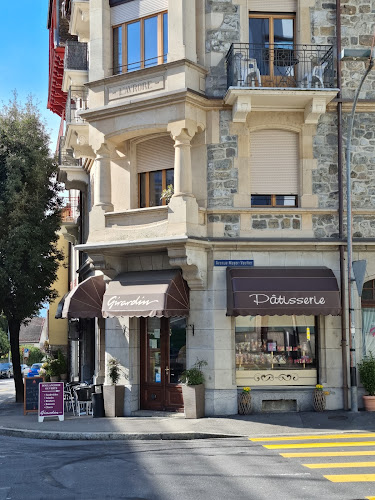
[[75, 65], [80, 19], [70, 210], [299, 78]]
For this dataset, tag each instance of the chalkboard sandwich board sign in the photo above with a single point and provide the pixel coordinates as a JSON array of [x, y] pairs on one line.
[[31, 393]]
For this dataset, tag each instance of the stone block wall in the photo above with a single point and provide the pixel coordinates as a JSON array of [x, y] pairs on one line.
[[280, 221], [222, 177], [218, 40]]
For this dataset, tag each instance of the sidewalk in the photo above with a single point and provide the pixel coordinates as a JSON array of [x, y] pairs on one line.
[[158, 425]]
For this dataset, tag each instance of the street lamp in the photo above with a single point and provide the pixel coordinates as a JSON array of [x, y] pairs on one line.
[[352, 341]]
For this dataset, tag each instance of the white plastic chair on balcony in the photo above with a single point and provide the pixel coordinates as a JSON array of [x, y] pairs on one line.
[[247, 71], [315, 76]]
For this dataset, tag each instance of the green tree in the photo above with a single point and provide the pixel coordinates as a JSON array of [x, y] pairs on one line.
[[30, 210], [35, 354], [4, 344]]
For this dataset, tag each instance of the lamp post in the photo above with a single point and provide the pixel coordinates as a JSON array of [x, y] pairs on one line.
[[352, 340]]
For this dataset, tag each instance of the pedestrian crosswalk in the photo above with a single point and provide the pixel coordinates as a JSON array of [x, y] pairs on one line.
[[351, 465]]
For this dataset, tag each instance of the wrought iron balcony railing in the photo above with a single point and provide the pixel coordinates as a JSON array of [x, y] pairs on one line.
[[70, 209], [295, 66], [75, 57], [77, 101], [66, 157]]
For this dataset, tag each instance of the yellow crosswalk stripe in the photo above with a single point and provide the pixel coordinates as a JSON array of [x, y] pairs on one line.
[[322, 436], [339, 465], [327, 454], [370, 498], [318, 445], [351, 478]]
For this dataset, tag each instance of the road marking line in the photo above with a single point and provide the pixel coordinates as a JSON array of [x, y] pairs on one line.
[[318, 445], [370, 498], [351, 478], [328, 454], [301, 438], [339, 465]]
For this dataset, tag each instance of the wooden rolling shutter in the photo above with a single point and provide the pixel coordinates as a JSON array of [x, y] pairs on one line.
[[274, 162], [128, 11], [273, 6], [155, 154]]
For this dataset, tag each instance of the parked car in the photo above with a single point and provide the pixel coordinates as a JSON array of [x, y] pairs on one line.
[[6, 370], [35, 369], [25, 370]]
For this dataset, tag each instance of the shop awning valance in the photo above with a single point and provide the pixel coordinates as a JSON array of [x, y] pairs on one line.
[[85, 300], [147, 293], [60, 307], [261, 291]]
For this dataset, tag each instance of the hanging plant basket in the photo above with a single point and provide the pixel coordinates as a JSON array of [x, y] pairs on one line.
[[244, 403], [319, 400]]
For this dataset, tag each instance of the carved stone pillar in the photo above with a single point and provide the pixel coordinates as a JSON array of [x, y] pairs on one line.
[[102, 179], [182, 134]]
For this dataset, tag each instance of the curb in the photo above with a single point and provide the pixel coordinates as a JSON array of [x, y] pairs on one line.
[[113, 436]]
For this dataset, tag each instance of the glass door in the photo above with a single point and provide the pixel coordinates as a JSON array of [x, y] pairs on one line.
[[163, 355]]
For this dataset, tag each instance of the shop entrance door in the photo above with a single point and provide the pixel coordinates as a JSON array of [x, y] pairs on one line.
[[163, 359]]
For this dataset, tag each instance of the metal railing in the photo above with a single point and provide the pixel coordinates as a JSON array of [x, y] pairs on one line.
[[77, 101], [135, 66], [75, 56], [65, 156], [296, 66], [70, 209]]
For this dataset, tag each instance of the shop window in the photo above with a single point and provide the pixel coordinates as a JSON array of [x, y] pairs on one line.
[[276, 342], [155, 167], [274, 162], [140, 44], [272, 41], [368, 317]]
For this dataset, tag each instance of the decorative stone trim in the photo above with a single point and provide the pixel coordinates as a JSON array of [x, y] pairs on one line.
[[193, 263]]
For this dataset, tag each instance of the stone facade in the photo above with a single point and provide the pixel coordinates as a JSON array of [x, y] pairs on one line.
[[231, 223], [219, 37], [284, 221], [222, 177]]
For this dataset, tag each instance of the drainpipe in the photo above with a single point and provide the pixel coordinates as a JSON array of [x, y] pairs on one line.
[[344, 342]]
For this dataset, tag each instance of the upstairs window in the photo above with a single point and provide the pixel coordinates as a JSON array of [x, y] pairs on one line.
[[272, 41], [274, 161], [155, 167], [368, 318], [140, 44]]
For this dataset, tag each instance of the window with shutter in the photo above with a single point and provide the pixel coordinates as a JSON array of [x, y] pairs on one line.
[[274, 160], [155, 167]]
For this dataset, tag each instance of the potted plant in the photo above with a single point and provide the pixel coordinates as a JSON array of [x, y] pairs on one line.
[[114, 394], [244, 401], [167, 194], [366, 370], [63, 366], [193, 390], [319, 398], [53, 369]]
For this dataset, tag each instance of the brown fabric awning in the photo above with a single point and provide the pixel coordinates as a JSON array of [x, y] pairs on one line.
[[85, 300], [60, 307], [147, 293], [261, 291]]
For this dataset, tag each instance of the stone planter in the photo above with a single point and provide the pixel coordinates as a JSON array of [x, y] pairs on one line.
[[244, 403], [114, 400], [64, 377], [369, 402], [55, 378], [319, 400], [194, 403]]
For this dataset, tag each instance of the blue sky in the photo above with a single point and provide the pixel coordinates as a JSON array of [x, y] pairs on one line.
[[24, 56]]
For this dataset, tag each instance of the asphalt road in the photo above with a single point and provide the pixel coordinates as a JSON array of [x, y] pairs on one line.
[[334, 467]]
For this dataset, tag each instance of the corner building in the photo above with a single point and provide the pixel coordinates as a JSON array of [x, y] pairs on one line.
[[241, 106]]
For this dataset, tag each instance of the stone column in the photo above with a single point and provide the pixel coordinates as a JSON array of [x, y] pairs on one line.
[[102, 179], [100, 40], [182, 30]]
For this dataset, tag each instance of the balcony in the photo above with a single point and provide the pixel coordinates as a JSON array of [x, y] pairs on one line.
[[70, 210], [274, 78], [80, 19], [75, 65], [71, 171], [77, 129]]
